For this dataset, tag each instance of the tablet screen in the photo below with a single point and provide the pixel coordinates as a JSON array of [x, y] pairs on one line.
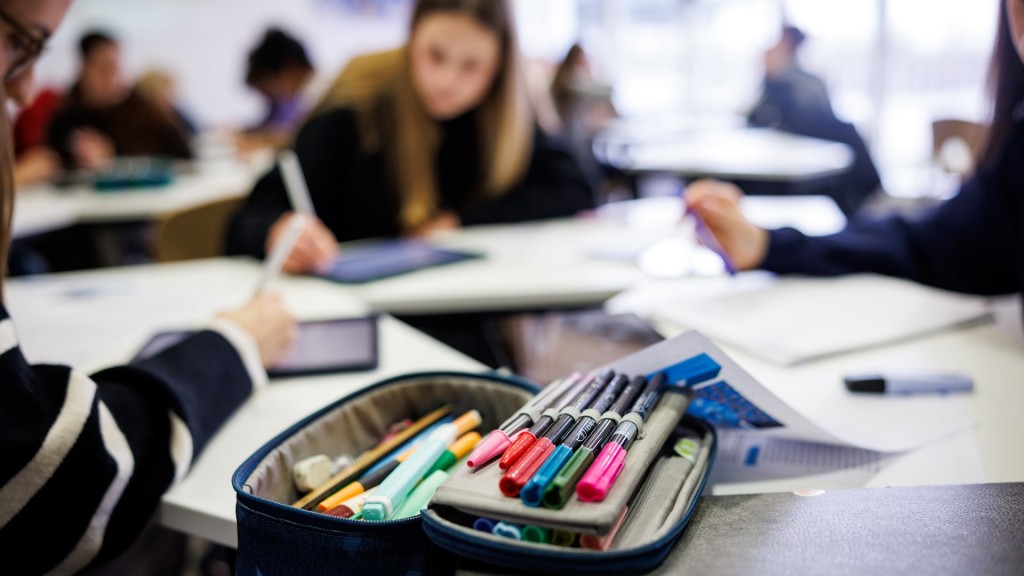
[[367, 263], [325, 346]]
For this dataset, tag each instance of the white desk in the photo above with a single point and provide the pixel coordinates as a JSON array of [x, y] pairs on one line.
[[60, 318], [571, 261], [728, 153], [44, 207]]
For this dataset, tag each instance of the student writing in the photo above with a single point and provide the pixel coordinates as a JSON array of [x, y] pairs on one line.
[[972, 243], [434, 135], [86, 459]]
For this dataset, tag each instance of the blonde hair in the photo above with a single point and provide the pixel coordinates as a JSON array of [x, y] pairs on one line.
[[390, 117]]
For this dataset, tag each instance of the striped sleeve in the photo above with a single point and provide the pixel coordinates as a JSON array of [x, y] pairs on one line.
[[87, 459]]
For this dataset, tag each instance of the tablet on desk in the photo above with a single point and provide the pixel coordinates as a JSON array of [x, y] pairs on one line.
[[367, 263], [342, 345]]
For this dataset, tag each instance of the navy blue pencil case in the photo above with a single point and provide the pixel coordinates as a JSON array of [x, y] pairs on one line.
[[661, 491]]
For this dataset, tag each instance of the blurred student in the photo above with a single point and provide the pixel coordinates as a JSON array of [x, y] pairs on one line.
[[796, 101], [584, 108], [160, 88], [34, 161], [87, 458], [435, 135], [281, 71], [103, 117], [972, 243]]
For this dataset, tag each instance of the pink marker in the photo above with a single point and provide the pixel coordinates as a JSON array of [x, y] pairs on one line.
[[601, 475], [499, 440]]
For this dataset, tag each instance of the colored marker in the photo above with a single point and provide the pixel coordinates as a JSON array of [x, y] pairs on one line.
[[563, 538], [533, 533], [508, 530], [524, 440], [595, 542], [457, 450], [601, 475], [367, 459], [533, 492], [558, 492], [499, 440], [352, 506], [520, 473], [421, 495], [484, 524], [394, 489]]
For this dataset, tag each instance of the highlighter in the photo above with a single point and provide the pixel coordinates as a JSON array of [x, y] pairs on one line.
[[457, 450], [526, 439], [369, 480], [564, 483], [525, 467], [421, 495], [601, 475], [499, 440], [533, 492], [352, 506], [368, 459], [394, 489], [409, 444]]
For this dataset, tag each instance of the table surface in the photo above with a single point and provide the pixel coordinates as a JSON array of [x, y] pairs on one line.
[[728, 152], [45, 207]]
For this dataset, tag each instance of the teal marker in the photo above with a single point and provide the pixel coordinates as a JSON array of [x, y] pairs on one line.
[[421, 495], [397, 486], [508, 530]]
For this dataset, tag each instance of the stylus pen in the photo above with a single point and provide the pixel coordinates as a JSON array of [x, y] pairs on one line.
[[533, 492], [295, 183], [708, 239], [601, 475], [275, 260], [564, 482], [520, 473], [525, 439], [499, 440]]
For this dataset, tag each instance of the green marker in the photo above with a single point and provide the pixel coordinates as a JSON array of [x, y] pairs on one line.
[[533, 533]]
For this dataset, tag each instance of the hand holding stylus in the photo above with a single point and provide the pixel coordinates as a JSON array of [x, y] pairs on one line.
[[717, 205]]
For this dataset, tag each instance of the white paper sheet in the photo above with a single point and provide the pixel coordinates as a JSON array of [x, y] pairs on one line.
[[799, 319]]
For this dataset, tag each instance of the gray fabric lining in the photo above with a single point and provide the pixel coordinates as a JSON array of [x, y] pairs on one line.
[[358, 425]]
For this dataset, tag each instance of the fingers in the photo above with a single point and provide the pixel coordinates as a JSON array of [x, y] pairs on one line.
[[315, 246]]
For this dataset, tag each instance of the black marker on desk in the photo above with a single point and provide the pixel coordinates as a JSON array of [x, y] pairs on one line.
[[908, 383]]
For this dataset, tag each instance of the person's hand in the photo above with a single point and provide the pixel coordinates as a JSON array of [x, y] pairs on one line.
[[442, 221], [37, 165], [92, 150], [269, 323], [717, 203], [315, 247]]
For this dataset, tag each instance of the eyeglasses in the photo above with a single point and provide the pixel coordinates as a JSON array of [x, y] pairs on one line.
[[23, 47]]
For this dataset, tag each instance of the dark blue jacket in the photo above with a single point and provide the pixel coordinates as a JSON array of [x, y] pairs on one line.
[[973, 243]]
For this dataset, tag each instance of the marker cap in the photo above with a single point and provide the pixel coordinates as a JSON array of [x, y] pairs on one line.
[[558, 492], [516, 450], [495, 443], [533, 533], [533, 493], [520, 473], [379, 509], [598, 480]]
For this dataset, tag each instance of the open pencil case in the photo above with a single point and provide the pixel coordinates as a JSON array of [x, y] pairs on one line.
[[631, 530], [275, 537]]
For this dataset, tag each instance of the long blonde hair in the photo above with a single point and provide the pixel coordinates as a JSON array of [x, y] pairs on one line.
[[390, 117]]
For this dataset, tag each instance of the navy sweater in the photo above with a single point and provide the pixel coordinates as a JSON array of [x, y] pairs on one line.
[[353, 196], [973, 243], [87, 459]]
